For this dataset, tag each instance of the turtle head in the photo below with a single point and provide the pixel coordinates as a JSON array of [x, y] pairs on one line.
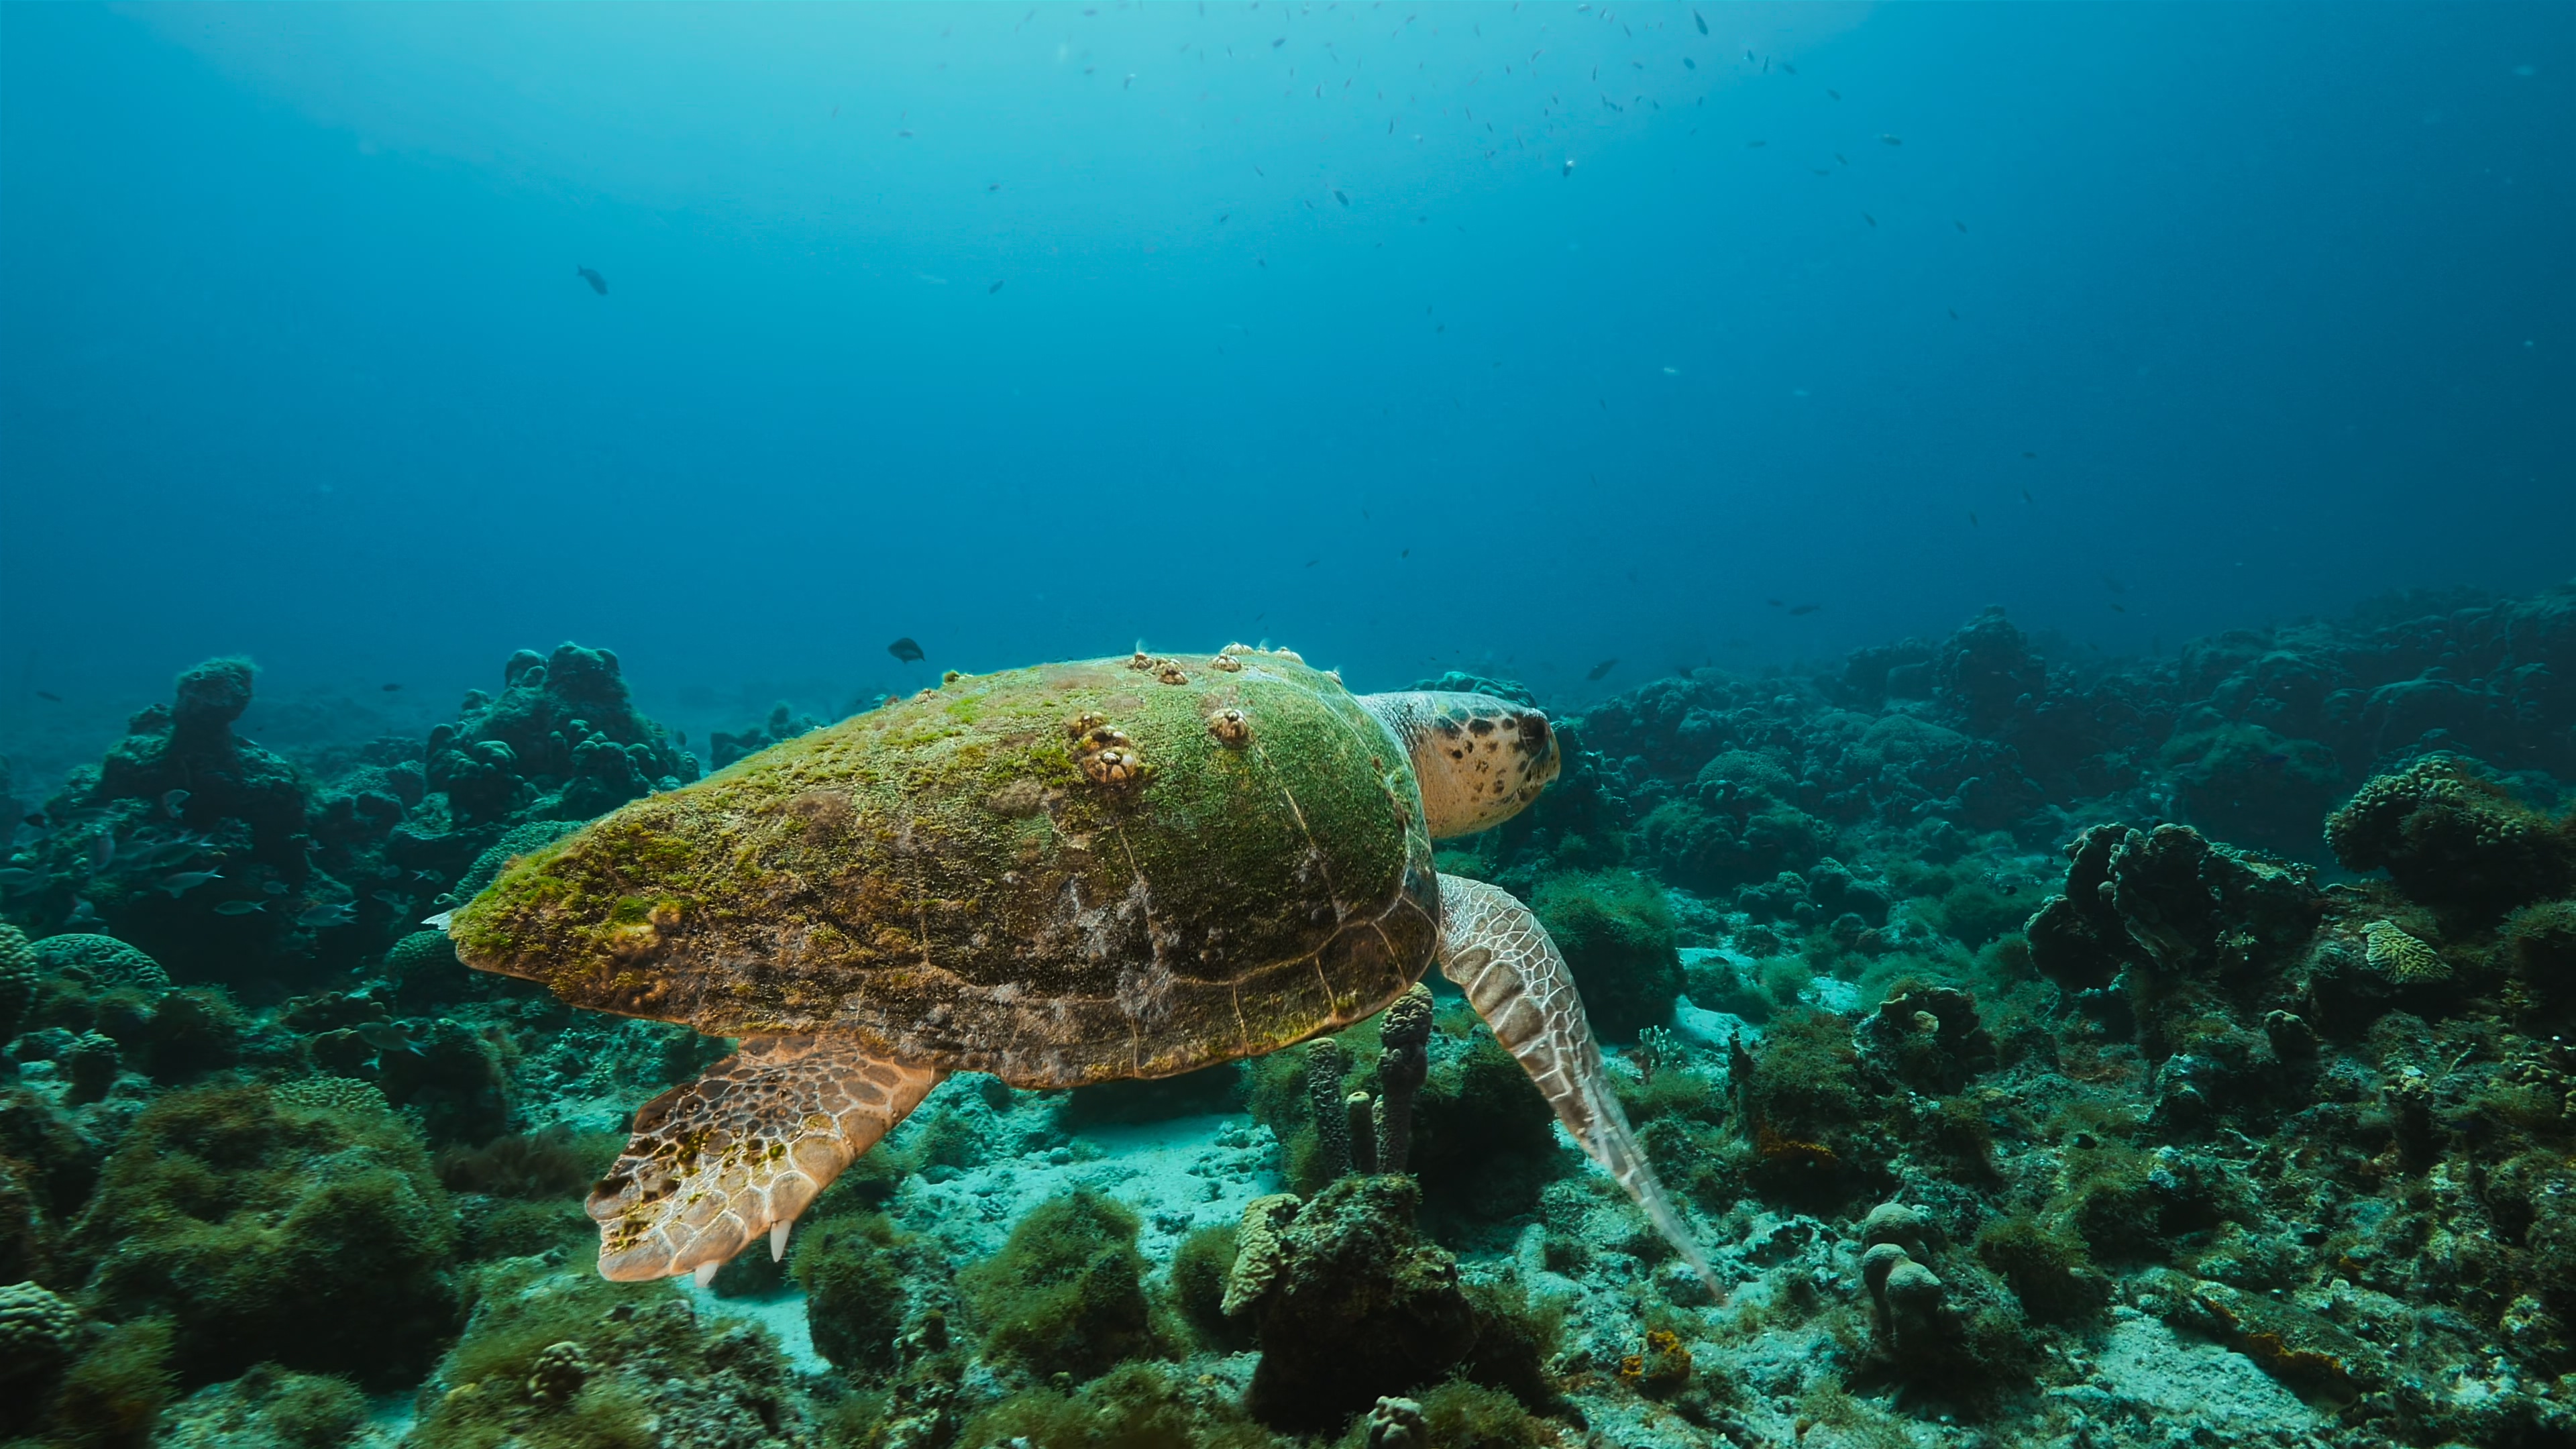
[[1479, 759]]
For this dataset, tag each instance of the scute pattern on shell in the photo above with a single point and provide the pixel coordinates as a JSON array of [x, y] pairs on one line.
[[969, 880]]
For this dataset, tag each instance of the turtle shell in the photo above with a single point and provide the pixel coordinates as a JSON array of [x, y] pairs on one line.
[[1063, 874]]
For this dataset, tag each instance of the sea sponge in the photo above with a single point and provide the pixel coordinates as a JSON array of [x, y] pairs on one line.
[[2454, 840], [1403, 1062], [1618, 939], [1360, 1307], [247, 1216], [1066, 1294]]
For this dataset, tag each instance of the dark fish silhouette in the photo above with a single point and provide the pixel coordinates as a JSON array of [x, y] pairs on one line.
[[1602, 669], [1702, 24], [1972, 519], [1777, 603], [988, 291], [1806, 608], [1344, 200], [905, 650], [390, 688], [597, 282], [49, 694]]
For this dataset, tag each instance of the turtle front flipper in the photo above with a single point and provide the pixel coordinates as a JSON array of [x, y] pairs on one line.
[[1499, 954], [742, 1150]]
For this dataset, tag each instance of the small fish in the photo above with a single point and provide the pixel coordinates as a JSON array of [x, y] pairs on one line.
[[272, 887], [399, 904], [49, 695], [427, 877], [597, 282], [392, 688], [179, 883], [325, 915], [993, 186], [1310, 563], [18, 877], [1865, 216], [83, 913], [102, 849], [1954, 314], [1602, 670], [1806, 608], [171, 800], [1702, 24], [1892, 140], [240, 908], [384, 1036], [2119, 608], [1777, 603], [1791, 69], [1344, 200], [907, 135], [1835, 94], [1961, 225], [988, 291], [2026, 498], [1972, 519], [1689, 64], [1283, 40], [1569, 169], [905, 650], [2030, 455]]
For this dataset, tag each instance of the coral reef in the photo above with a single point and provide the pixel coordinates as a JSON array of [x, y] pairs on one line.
[[2047, 1051]]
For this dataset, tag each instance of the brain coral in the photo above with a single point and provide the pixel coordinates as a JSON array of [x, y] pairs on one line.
[[108, 963]]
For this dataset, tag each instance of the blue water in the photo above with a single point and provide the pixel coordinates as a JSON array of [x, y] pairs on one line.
[[2143, 321]]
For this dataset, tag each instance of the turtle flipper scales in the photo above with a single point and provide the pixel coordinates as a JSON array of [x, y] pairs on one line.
[[741, 1151], [1499, 954]]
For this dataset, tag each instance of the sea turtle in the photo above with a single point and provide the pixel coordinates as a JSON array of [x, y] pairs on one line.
[[1066, 874]]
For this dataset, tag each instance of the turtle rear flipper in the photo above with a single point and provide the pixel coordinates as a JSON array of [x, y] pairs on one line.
[[742, 1150], [1499, 954]]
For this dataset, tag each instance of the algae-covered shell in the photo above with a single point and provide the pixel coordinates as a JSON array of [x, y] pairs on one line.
[[1062, 874]]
